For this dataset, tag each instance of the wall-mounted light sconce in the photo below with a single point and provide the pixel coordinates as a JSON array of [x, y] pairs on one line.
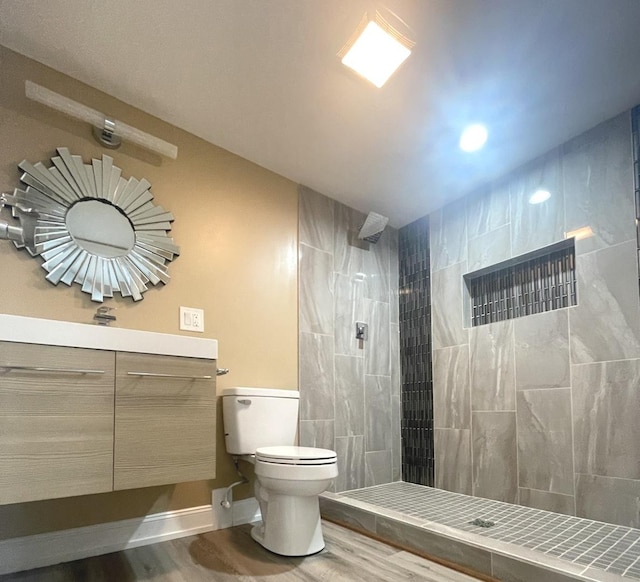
[[7, 231], [108, 131]]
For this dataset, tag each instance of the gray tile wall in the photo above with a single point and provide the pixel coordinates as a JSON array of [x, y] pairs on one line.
[[543, 410], [349, 390]]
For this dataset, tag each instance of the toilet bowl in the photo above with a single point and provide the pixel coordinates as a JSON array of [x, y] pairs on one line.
[[260, 427], [288, 482]]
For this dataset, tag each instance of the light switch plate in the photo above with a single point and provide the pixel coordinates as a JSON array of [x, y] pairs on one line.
[[192, 319]]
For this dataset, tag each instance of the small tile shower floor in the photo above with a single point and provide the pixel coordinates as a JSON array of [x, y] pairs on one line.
[[613, 548]]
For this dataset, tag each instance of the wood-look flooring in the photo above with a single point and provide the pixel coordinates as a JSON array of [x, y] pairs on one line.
[[230, 555]]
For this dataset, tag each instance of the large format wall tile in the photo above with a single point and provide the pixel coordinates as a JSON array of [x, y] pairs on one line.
[[350, 453], [542, 350], [490, 248], [376, 270], [377, 403], [545, 451], [598, 184], [451, 398], [448, 231], [446, 307], [488, 210], [349, 395], [316, 219], [453, 460], [556, 502], [492, 367], [606, 405], [317, 392], [607, 499], [394, 277], [605, 325], [348, 257], [377, 357], [537, 225], [495, 455], [317, 433], [348, 308], [316, 290], [377, 468], [344, 280]]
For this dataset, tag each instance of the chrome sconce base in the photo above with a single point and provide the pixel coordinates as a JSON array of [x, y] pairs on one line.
[[106, 135]]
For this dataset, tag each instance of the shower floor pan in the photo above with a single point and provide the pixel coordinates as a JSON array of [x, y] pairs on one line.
[[522, 545]]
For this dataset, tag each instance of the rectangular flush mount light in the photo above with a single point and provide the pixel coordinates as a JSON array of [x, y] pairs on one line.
[[376, 51]]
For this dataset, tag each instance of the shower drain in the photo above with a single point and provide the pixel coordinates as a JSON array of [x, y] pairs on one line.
[[482, 522]]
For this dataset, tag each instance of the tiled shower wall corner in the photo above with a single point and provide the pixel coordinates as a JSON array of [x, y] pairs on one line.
[[543, 410], [415, 353], [349, 390]]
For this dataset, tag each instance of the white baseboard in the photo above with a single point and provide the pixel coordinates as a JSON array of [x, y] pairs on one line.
[[36, 551]]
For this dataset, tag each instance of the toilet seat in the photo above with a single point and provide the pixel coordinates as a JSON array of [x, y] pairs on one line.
[[296, 456]]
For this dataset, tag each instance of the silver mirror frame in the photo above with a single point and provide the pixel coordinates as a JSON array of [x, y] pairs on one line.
[[42, 208]]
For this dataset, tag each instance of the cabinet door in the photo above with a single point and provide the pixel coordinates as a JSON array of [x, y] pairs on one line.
[[56, 422], [164, 420]]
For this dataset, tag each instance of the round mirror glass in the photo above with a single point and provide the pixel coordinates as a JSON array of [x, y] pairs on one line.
[[100, 228]]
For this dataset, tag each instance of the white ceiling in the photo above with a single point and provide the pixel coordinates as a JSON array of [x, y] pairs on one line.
[[261, 79]]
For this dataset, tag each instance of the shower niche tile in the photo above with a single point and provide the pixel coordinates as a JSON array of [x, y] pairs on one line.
[[537, 282]]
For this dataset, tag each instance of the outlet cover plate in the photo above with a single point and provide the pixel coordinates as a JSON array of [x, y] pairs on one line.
[[192, 319]]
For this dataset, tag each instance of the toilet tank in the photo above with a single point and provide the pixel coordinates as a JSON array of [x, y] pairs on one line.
[[259, 417]]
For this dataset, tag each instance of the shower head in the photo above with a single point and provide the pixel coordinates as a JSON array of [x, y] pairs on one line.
[[373, 227]]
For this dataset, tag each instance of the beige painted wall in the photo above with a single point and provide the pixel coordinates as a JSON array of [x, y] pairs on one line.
[[236, 224]]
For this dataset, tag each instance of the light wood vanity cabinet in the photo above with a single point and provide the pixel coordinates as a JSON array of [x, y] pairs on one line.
[[56, 421], [164, 420], [76, 421]]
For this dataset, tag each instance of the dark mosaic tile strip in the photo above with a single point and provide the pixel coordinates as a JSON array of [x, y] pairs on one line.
[[539, 284], [415, 353]]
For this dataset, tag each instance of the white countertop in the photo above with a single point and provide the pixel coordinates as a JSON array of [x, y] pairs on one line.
[[32, 330]]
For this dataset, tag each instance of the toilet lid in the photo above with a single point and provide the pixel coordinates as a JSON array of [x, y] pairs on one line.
[[296, 455]]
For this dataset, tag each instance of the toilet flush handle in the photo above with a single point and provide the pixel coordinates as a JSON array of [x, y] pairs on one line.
[[244, 401]]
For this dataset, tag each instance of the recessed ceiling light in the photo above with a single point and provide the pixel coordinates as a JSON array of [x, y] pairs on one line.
[[473, 137], [376, 53], [539, 196]]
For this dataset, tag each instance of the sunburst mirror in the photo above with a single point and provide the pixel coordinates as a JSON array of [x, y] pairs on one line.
[[93, 227]]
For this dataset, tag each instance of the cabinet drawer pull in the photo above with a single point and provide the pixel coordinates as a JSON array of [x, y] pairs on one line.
[[58, 370], [155, 375]]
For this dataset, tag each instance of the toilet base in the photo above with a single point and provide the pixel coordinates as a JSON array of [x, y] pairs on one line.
[[292, 527]]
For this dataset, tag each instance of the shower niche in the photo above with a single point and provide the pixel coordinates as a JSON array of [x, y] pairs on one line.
[[540, 281]]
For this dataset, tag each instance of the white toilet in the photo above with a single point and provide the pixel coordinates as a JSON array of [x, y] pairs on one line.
[[260, 426]]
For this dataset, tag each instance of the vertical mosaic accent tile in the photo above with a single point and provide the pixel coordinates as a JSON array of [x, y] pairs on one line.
[[415, 354]]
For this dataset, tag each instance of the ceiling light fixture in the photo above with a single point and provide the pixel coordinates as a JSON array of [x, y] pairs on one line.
[[539, 196], [473, 137], [376, 50]]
